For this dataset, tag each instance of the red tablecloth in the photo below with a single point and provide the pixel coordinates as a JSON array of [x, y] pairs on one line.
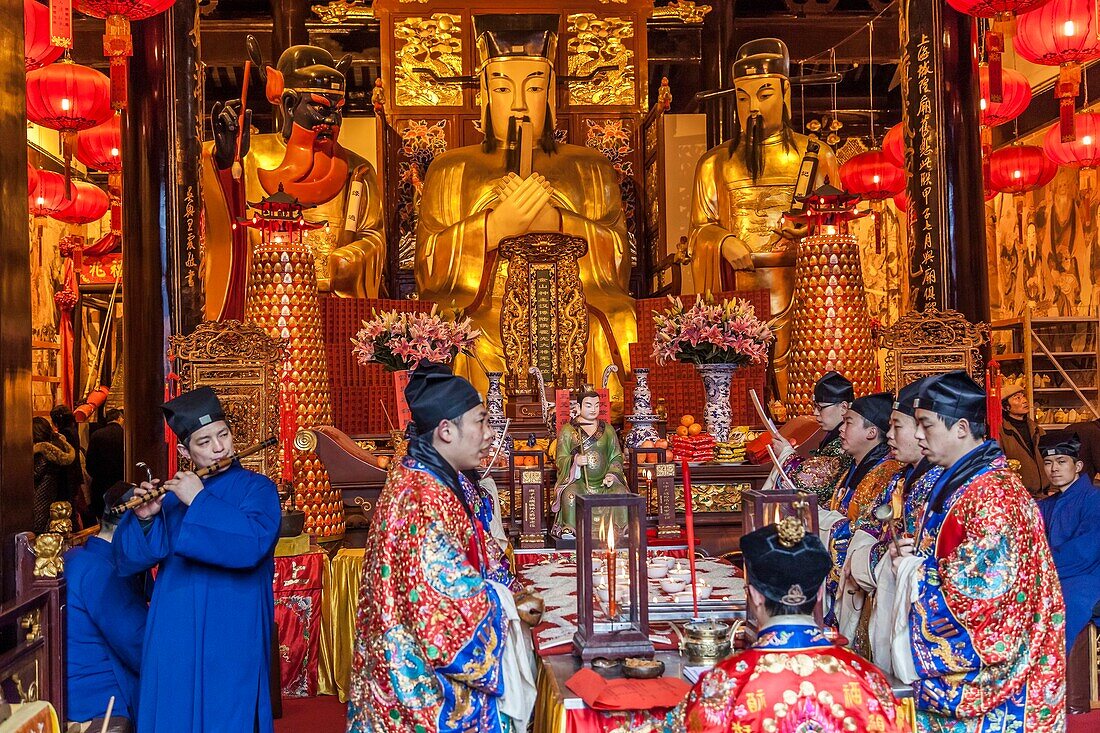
[[298, 585]]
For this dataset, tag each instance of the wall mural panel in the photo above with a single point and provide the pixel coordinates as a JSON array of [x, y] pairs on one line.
[[1044, 247]]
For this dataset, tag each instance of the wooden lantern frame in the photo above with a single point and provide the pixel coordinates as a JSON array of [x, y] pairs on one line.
[[612, 639]]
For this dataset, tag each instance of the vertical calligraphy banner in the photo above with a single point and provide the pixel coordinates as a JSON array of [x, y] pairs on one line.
[[943, 159]]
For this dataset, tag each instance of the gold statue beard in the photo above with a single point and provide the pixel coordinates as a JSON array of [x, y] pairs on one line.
[[754, 146], [313, 170]]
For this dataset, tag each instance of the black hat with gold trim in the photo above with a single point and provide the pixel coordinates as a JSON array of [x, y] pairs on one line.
[[501, 36], [762, 57]]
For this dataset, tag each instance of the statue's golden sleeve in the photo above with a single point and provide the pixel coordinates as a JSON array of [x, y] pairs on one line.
[[707, 232], [356, 266], [600, 221], [451, 244]]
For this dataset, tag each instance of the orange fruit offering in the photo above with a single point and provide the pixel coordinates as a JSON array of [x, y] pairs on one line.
[[695, 429], [646, 444], [383, 462], [662, 443], [530, 461], [682, 431], [687, 420]]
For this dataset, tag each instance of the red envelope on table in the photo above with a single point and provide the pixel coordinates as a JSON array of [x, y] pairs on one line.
[[627, 694]]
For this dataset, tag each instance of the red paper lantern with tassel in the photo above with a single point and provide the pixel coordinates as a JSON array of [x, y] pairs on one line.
[[50, 196], [1020, 168], [893, 145], [1066, 34], [901, 201], [37, 49], [872, 176], [89, 203], [1015, 98], [99, 147], [118, 44], [68, 97], [1084, 152], [1001, 11]]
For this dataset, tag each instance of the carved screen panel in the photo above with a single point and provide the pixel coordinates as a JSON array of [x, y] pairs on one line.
[[595, 42], [433, 43]]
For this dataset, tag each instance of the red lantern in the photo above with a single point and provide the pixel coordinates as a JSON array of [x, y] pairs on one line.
[[893, 145], [118, 44], [872, 176], [1063, 33], [37, 49], [89, 203], [32, 180], [1020, 168], [68, 97], [1001, 11], [1084, 152], [1015, 98], [99, 147], [50, 196]]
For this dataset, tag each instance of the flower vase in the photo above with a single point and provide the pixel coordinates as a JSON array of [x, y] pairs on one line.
[[716, 385]]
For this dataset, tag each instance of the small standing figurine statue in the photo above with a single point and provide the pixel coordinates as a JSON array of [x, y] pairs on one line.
[[589, 461]]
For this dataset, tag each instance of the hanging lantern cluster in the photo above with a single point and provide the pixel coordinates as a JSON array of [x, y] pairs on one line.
[[50, 194], [118, 44], [1066, 34], [38, 51], [1015, 97], [1000, 13], [69, 98]]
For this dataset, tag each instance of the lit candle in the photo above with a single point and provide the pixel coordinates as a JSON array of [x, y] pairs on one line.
[[611, 555]]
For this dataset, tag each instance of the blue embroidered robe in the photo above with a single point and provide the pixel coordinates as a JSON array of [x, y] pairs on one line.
[[987, 627], [208, 637]]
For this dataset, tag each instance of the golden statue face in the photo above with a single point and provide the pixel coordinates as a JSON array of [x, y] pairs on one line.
[[765, 96], [517, 87]]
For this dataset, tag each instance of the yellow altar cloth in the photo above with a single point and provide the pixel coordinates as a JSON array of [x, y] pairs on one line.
[[338, 623]]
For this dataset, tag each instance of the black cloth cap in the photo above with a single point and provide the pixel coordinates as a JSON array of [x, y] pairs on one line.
[[954, 395], [310, 67], [907, 395], [435, 394], [762, 57], [833, 387], [191, 411], [790, 575], [876, 409], [1060, 444], [503, 35], [120, 493]]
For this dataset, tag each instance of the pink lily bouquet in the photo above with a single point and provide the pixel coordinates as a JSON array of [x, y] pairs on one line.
[[401, 341], [711, 333]]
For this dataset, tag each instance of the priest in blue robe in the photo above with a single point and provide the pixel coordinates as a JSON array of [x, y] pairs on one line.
[[105, 625], [207, 639], [1071, 516]]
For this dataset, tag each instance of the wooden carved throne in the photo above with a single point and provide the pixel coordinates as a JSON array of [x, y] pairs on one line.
[[242, 364], [932, 342]]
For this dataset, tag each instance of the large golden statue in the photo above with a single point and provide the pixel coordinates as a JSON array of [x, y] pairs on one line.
[[520, 180], [334, 184], [739, 239]]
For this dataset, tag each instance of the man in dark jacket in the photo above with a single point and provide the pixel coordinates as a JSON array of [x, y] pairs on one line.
[[1020, 439], [105, 459]]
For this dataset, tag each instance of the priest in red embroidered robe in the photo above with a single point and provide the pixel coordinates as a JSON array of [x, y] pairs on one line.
[[793, 678], [979, 621], [430, 650]]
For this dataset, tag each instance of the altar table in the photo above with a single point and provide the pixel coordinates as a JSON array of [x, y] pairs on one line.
[[299, 602], [32, 717]]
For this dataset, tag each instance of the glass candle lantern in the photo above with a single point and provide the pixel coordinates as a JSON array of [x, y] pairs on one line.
[[618, 627]]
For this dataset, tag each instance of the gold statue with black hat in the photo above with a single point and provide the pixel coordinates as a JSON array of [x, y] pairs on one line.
[[305, 159], [520, 180], [743, 187]]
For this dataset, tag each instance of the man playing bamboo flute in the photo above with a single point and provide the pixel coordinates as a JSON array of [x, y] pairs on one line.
[[207, 639]]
